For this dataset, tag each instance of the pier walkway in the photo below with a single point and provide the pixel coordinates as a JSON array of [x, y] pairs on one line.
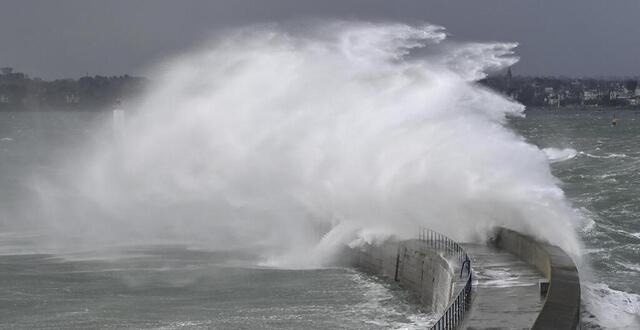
[[506, 293]]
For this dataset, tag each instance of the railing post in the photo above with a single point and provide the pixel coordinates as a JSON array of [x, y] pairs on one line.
[[433, 240], [446, 320], [457, 309], [451, 317]]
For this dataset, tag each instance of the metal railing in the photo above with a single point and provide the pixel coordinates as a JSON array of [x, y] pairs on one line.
[[457, 308], [442, 243]]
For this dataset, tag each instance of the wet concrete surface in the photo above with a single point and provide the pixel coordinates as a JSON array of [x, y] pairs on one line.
[[505, 293]]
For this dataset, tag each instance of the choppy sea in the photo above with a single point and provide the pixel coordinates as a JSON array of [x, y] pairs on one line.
[[598, 167], [183, 287]]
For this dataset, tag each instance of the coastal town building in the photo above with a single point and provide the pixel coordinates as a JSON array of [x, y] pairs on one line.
[[567, 92], [591, 95], [72, 99]]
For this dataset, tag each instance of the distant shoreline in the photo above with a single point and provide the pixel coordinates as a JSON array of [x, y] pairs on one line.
[[527, 108], [584, 108], [19, 92]]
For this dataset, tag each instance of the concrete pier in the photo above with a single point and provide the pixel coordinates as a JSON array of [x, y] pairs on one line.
[[521, 305], [561, 309], [506, 279], [414, 266], [506, 293]]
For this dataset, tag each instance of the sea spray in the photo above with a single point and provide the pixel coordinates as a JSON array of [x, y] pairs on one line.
[[301, 140], [559, 155]]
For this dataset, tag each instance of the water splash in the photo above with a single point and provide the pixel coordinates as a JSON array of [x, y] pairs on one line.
[[609, 308], [298, 141], [559, 155]]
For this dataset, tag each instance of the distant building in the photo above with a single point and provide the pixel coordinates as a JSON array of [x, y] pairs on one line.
[[72, 99], [566, 92], [552, 99], [619, 94], [591, 95]]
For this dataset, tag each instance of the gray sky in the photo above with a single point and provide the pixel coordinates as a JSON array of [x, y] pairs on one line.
[[68, 38]]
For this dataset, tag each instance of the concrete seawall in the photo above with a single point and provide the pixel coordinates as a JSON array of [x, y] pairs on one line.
[[561, 309], [425, 271], [414, 266]]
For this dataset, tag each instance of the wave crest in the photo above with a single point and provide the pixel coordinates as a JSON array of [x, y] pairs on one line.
[[298, 141]]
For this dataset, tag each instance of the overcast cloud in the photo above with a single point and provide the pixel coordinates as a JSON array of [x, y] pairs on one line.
[[69, 38]]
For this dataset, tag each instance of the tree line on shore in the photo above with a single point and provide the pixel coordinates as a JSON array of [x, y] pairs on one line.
[[20, 92]]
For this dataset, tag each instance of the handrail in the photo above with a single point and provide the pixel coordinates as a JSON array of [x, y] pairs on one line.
[[457, 308]]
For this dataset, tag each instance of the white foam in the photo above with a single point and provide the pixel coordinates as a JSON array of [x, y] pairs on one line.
[[559, 155], [186, 325], [611, 309], [632, 267], [500, 277], [376, 294], [612, 155], [587, 221], [595, 250]]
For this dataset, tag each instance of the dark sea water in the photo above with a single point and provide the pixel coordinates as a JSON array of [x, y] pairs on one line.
[[174, 287], [161, 286], [598, 167], [177, 286]]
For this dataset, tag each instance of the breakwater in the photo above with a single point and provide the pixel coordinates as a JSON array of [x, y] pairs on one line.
[[431, 268], [561, 308], [420, 270]]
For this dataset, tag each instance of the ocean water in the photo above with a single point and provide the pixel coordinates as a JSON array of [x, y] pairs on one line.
[[167, 285], [598, 167], [175, 286]]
